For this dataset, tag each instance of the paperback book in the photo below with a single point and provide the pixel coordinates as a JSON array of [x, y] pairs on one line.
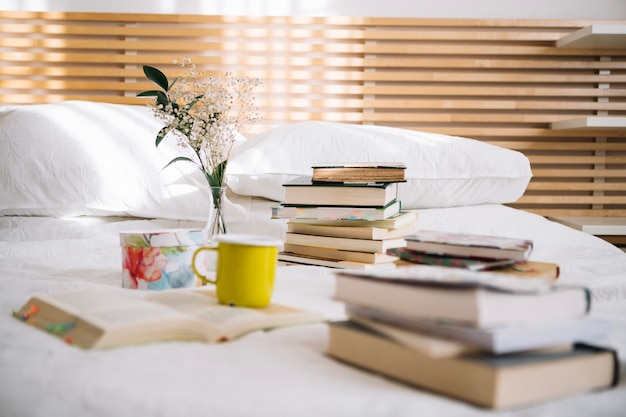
[[338, 254], [526, 269], [478, 299], [291, 258], [395, 221], [358, 245], [496, 339], [506, 381], [353, 232], [426, 258], [106, 318], [471, 245]]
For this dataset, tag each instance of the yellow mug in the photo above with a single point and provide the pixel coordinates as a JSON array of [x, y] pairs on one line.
[[245, 269]]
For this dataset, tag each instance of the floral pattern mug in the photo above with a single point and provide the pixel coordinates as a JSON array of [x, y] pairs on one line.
[[159, 259]]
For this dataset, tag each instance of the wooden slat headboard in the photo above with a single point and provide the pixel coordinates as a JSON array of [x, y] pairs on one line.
[[505, 82]]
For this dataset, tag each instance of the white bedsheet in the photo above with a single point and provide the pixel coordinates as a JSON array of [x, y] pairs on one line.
[[279, 373]]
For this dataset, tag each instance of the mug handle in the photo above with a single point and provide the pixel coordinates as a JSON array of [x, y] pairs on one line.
[[202, 278]]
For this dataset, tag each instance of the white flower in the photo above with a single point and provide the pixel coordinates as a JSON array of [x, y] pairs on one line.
[[205, 113]]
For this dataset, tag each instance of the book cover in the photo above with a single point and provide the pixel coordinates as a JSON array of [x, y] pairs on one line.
[[397, 220], [291, 258], [358, 245], [426, 258], [283, 211], [355, 232], [497, 339], [91, 318], [359, 171], [338, 254], [491, 381], [495, 300], [302, 190], [472, 245]]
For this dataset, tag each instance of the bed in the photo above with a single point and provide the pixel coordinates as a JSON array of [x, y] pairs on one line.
[[66, 196]]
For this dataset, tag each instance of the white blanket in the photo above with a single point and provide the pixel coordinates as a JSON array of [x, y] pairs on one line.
[[284, 372]]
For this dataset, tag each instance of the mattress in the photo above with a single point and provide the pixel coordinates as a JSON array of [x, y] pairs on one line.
[[284, 372]]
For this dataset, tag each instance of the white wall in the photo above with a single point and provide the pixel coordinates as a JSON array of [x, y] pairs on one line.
[[520, 9]]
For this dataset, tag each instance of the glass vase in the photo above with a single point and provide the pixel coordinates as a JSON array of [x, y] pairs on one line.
[[216, 224]]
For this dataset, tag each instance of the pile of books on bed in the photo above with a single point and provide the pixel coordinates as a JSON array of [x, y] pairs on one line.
[[475, 252], [495, 340], [345, 216]]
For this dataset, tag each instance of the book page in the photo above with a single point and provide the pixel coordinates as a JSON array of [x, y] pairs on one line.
[[429, 345], [109, 309], [103, 318], [232, 322]]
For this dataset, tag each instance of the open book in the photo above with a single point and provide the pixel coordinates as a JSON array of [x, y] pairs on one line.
[[106, 318]]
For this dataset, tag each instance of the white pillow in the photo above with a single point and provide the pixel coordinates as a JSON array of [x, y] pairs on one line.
[[442, 171], [85, 158]]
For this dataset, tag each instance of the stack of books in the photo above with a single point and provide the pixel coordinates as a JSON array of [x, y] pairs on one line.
[[491, 339], [474, 252], [345, 216]]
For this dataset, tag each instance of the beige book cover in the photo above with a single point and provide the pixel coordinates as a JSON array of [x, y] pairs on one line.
[[491, 381]]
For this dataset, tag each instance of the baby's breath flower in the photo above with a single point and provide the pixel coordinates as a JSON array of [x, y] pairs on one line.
[[205, 113]]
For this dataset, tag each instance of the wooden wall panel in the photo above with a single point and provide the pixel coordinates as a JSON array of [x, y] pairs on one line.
[[500, 81]]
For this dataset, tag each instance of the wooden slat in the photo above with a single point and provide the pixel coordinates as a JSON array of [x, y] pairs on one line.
[[579, 200], [498, 103], [513, 63], [478, 91], [449, 117], [580, 173], [577, 159], [485, 50], [575, 186], [500, 81]]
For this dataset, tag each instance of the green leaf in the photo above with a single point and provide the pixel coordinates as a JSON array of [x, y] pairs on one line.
[[150, 93], [173, 82], [216, 178], [156, 76], [178, 159], [162, 133], [160, 96]]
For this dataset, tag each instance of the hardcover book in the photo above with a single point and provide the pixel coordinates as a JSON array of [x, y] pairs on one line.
[[105, 318], [303, 190], [486, 380], [472, 245], [282, 211], [479, 299], [359, 171]]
